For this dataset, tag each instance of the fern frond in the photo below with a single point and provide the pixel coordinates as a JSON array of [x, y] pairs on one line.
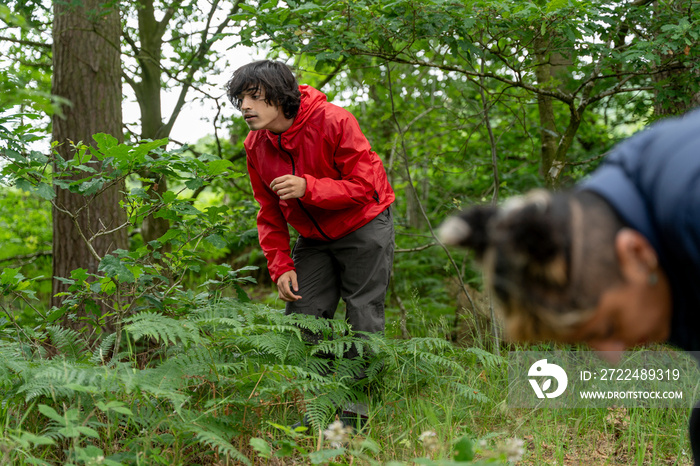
[[208, 431], [440, 363], [216, 318], [469, 393], [214, 441], [349, 369], [257, 329], [159, 385], [336, 348], [284, 347], [162, 328], [487, 359], [317, 365], [67, 341], [99, 356], [58, 379], [374, 368], [319, 411], [292, 372], [320, 407], [428, 344], [324, 327], [13, 359]]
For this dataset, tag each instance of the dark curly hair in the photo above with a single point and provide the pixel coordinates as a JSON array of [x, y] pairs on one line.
[[274, 78], [547, 258]]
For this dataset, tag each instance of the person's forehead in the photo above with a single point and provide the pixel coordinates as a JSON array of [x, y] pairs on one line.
[[252, 89]]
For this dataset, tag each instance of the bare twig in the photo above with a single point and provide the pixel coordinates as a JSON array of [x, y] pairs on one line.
[[21, 257], [404, 155]]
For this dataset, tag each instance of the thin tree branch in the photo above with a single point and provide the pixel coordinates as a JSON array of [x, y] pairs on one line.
[[194, 66], [30, 43], [21, 257], [404, 155]]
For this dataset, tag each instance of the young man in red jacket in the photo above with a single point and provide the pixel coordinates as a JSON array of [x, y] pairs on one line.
[[312, 168]]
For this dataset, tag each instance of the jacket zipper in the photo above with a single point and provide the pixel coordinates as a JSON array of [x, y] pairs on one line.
[[301, 205]]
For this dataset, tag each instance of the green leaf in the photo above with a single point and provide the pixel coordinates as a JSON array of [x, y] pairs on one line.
[[57, 314], [216, 241], [247, 8], [194, 183], [323, 456], [70, 431], [51, 413], [36, 439], [217, 167], [113, 267], [82, 388], [140, 152], [105, 141], [45, 191], [79, 275], [261, 446], [11, 276], [555, 5], [91, 187], [464, 449], [170, 234], [89, 431], [24, 185]]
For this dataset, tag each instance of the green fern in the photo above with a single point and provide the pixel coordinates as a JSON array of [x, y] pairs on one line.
[[67, 342], [211, 432], [486, 358], [62, 379], [100, 355], [161, 328], [283, 346]]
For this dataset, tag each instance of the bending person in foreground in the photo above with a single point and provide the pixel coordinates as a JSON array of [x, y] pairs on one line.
[[614, 263]]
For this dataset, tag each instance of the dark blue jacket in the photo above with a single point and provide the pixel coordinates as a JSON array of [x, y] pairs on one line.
[[653, 181]]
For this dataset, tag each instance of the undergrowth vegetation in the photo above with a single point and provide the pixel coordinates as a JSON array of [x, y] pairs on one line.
[[210, 385]]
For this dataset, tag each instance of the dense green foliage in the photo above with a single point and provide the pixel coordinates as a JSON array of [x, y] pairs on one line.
[[185, 387], [175, 351]]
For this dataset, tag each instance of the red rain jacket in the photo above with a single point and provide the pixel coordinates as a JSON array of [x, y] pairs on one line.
[[346, 184]]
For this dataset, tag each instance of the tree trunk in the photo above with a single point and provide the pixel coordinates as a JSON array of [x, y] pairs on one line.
[[87, 72], [551, 72], [148, 96], [549, 137]]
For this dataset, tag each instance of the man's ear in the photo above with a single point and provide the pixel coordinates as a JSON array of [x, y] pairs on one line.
[[636, 256]]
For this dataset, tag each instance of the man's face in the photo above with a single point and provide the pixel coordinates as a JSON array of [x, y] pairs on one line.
[[628, 315], [635, 312], [258, 114]]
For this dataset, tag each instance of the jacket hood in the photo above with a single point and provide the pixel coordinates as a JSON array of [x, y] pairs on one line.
[[311, 99]]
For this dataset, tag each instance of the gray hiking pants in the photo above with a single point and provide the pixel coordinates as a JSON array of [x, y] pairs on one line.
[[356, 268]]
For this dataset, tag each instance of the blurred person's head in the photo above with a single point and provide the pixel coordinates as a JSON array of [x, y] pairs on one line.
[[564, 267]]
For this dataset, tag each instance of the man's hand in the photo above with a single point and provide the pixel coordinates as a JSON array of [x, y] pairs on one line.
[[285, 284], [289, 187]]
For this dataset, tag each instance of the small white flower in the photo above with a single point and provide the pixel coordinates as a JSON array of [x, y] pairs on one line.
[[429, 440], [337, 434], [513, 449]]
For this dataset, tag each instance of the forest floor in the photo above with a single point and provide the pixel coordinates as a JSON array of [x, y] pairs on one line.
[[594, 436]]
